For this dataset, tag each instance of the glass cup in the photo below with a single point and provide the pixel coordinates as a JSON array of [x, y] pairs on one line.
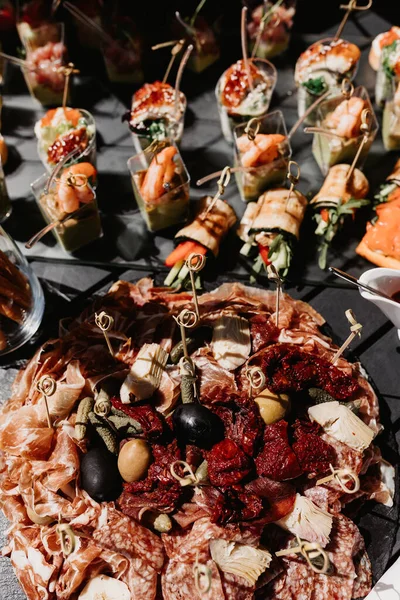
[[332, 150], [203, 39], [45, 53], [231, 118], [385, 76], [87, 155], [168, 126], [21, 298], [391, 119], [172, 207], [5, 203], [254, 182], [82, 227], [123, 61], [272, 38], [332, 81]]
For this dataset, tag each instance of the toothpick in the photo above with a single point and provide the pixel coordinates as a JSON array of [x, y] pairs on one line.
[[293, 177], [352, 5], [194, 264], [186, 320], [177, 47], [222, 183], [322, 132], [24, 64], [243, 38], [342, 476], [307, 112], [47, 387], [202, 577], [67, 537], [355, 329], [310, 551], [179, 76], [67, 71], [273, 275], [211, 176], [365, 128], [105, 322], [263, 21], [256, 379], [250, 131]]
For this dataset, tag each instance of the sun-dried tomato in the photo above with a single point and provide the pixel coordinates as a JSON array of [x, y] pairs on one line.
[[144, 414], [242, 423], [277, 459], [263, 332], [227, 464], [314, 455], [289, 369], [77, 138]]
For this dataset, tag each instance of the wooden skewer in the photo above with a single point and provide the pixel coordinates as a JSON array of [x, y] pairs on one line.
[[243, 38], [67, 71], [365, 128], [355, 329], [179, 76], [47, 386], [307, 112], [263, 21], [342, 476], [78, 14], [24, 64], [273, 275], [322, 132], [105, 322], [310, 551], [211, 176], [352, 5], [256, 379], [222, 183], [293, 178], [194, 264]]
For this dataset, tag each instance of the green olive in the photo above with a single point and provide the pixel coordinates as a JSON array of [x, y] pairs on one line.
[[134, 460], [37, 519], [273, 407]]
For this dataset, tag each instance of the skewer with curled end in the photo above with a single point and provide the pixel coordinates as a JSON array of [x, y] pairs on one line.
[[355, 329], [256, 379], [342, 477], [316, 557], [194, 264], [202, 577], [105, 322], [187, 319], [47, 386], [365, 128], [273, 275], [67, 537]]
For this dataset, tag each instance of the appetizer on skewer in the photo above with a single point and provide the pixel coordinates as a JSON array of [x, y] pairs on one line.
[[381, 41], [270, 229], [381, 242], [200, 34], [388, 73], [340, 128], [160, 184], [241, 98], [67, 201], [339, 196], [270, 26], [203, 236], [322, 67], [263, 149], [391, 119], [63, 130]]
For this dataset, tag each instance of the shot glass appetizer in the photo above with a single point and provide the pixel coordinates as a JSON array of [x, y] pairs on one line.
[[269, 28], [262, 150], [244, 93], [383, 39], [67, 201], [45, 55], [200, 34], [388, 72], [160, 184], [157, 113], [391, 119], [322, 67], [21, 299], [61, 131], [339, 129], [122, 51]]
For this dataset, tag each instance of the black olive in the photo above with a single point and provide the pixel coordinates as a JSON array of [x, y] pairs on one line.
[[195, 424], [100, 477]]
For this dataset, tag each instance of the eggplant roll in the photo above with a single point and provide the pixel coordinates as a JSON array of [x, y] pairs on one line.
[[336, 190]]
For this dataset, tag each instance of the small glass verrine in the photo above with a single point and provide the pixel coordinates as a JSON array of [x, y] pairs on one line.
[[73, 227], [264, 158], [21, 299], [254, 104], [270, 27], [339, 119], [160, 184], [391, 119]]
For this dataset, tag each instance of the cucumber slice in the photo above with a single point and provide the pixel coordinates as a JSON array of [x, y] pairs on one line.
[[174, 272]]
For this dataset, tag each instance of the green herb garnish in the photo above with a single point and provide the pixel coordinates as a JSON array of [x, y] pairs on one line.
[[316, 86], [388, 53]]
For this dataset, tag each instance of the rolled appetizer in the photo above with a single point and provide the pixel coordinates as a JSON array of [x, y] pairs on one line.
[[202, 236], [340, 122], [69, 199], [388, 73], [160, 184], [270, 229], [322, 67], [390, 190], [270, 26], [156, 113], [391, 119], [381, 242], [61, 131], [263, 150], [383, 39], [240, 99], [336, 199], [45, 55]]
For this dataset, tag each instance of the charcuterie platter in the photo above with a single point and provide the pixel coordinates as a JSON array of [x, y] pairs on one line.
[[203, 448]]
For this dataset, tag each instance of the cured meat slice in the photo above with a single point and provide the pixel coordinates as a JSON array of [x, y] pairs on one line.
[[236, 588], [178, 582], [216, 384], [26, 434], [295, 583]]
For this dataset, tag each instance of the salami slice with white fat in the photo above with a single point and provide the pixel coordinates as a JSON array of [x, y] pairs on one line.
[[178, 582]]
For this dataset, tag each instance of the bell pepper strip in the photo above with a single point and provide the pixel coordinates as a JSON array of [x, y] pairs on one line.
[[264, 253]]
